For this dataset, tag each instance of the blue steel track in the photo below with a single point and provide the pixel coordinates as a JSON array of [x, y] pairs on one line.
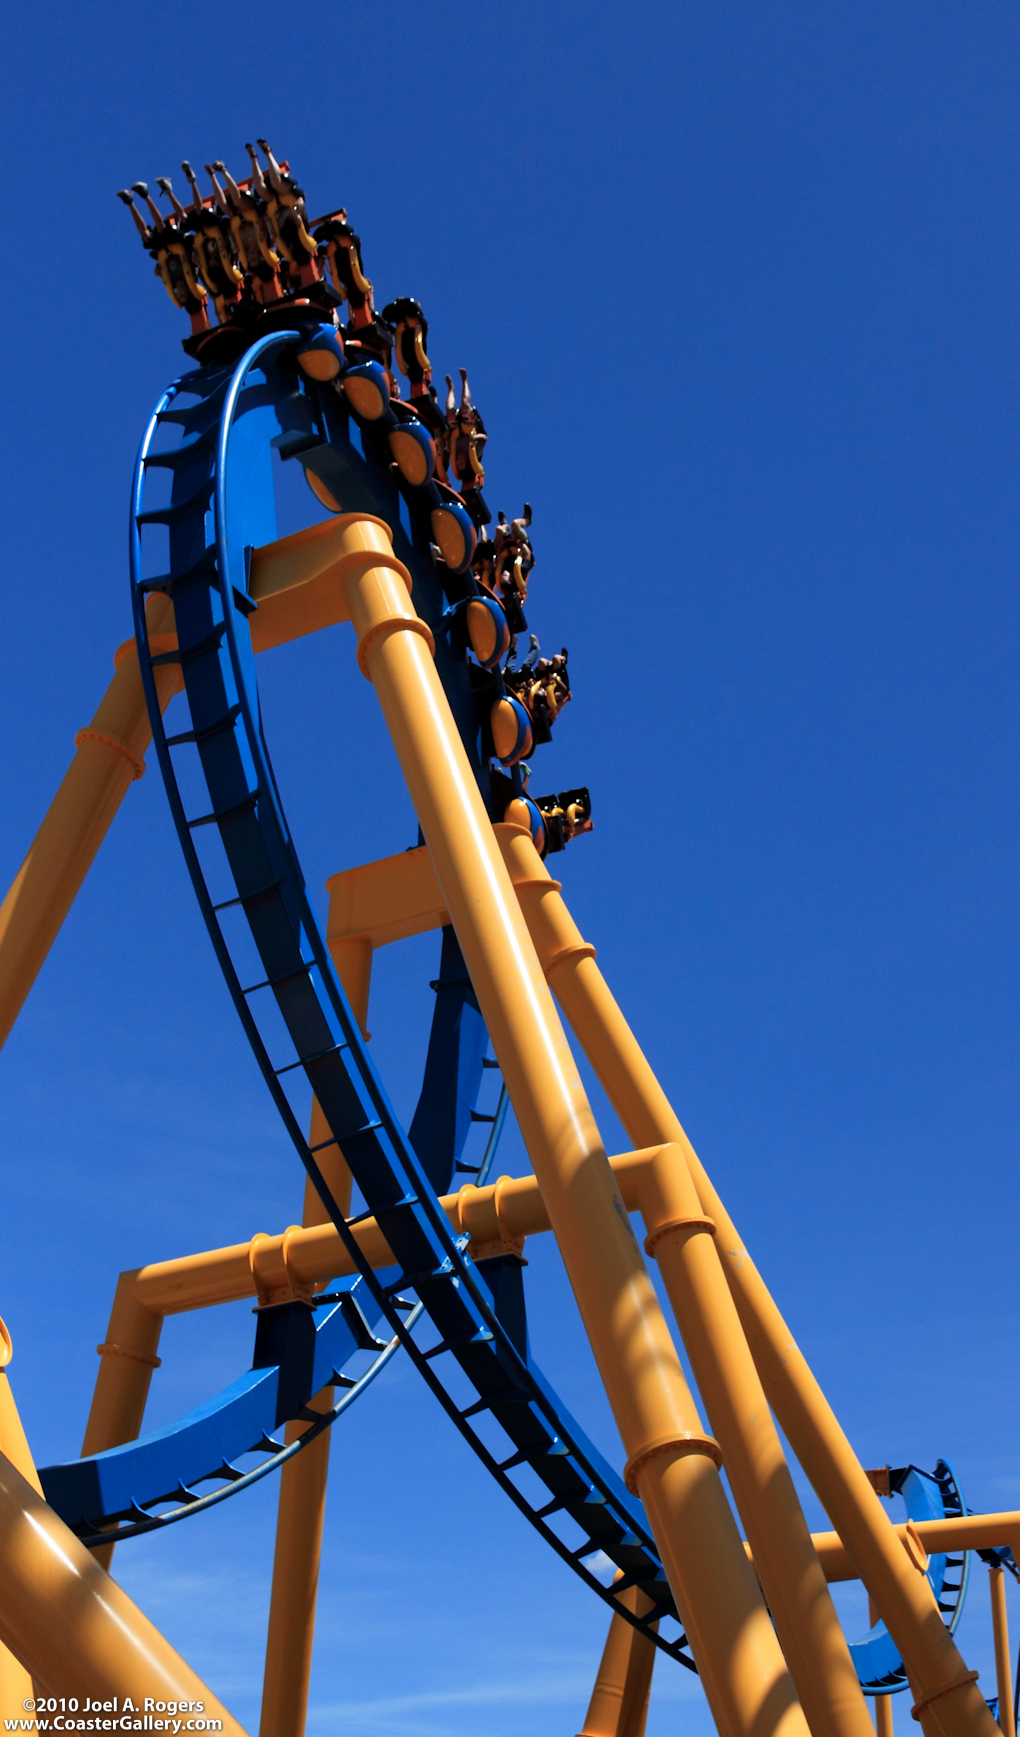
[[246, 874], [221, 470]]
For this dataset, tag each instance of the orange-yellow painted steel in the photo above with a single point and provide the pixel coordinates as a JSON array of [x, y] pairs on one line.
[[962, 1532], [883, 1704], [682, 1239], [62, 1615], [385, 901], [15, 1681], [1003, 1662], [300, 1515], [619, 1702], [72, 1626], [295, 596], [670, 1461], [299, 1522], [128, 1358], [110, 753], [294, 588], [947, 1691]]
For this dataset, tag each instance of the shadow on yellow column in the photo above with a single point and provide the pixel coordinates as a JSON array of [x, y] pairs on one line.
[[671, 1463], [15, 1682], [73, 1629], [947, 1693]]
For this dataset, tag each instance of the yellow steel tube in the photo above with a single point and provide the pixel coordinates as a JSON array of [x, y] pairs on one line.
[[13, 1441], [682, 1240], [882, 1703], [961, 1532], [619, 1701], [128, 1358], [670, 1462], [944, 1689], [299, 1519], [71, 1625], [947, 1691], [15, 1682], [1003, 1663], [110, 753], [296, 597]]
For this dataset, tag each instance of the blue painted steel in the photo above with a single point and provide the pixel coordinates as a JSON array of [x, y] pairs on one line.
[[423, 440], [453, 1071], [927, 1496], [372, 374], [326, 341], [297, 989], [501, 644], [524, 741], [495, 1132], [457, 517], [536, 822], [159, 1467]]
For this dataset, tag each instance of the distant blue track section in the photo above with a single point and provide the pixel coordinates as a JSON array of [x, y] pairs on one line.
[[298, 1351], [927, 1496], [251, 891], [214, 432]]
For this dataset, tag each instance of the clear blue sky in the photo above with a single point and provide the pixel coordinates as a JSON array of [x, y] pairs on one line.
[[736, 286]]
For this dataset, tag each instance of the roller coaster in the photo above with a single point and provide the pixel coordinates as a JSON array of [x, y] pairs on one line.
[[397, 1256]]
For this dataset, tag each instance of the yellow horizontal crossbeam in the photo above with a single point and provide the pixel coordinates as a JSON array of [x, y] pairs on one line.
[[291, 1264], [963, 1532], [385, 901]]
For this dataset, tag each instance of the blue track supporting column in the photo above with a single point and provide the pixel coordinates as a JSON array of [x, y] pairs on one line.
[[453, 1070]]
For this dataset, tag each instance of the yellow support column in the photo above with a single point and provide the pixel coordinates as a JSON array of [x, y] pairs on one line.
[[111, 752], [619, 1702], [16, 1689], [882, 1703], [672, 1465], [71, 1625], [682, 1240], [302, 1507], [947, 1692], [122, 1386], [1003, 1663]]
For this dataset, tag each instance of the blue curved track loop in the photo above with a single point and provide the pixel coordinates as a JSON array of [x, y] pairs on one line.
[[294, 1010], [296, 1355], [927, 1496]]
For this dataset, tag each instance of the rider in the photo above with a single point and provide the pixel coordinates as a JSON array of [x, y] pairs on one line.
[[250, 235], [171, 248], [217, 268], [286, 214], [514, 556], [466, 439]]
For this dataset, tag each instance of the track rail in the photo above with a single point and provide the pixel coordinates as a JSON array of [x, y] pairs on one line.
[[300, 1027], [927, 1496], [92, 1495]]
